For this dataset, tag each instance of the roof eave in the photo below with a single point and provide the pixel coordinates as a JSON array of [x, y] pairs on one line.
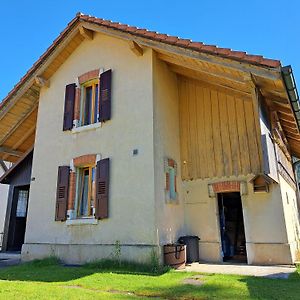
[[292, 92]]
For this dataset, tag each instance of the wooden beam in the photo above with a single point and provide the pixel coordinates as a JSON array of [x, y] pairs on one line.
[[86, 33], [11, 151], [22, 139], [283, 110], [221, 88], [173, 62], [255, 100], [291, 130], [270, 73], [41, 82], [15, 165], [3, 165], [20, 121], [280, 100], [288, 124], [293, 137], [136, 48], [13, 102], [285, 117]]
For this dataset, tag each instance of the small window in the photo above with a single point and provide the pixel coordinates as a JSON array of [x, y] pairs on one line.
[[171, 178], [22, 204], [86, 191], [89, 103]]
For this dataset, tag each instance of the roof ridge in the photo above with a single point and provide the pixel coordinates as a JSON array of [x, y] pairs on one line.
[[201, 47], [243, 56]]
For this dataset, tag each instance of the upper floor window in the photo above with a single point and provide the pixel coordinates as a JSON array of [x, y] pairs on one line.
[[89, 103]]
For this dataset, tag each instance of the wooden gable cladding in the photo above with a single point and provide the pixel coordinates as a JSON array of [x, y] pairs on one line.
[[218, 133]]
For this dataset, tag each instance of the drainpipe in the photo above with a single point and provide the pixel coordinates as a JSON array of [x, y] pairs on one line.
[[291, 89]]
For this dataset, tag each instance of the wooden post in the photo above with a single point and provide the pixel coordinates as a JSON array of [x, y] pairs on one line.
[[256, 116], [41, 82], [136, 48], [86, 33]]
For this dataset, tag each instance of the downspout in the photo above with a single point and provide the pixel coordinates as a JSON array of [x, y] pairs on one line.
[[291, 89]]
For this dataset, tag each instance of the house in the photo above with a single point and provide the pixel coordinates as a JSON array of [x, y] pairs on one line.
[[140, 138]]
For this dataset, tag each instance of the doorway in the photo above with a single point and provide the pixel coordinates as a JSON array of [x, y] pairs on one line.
[[17, 223], [232, 227]]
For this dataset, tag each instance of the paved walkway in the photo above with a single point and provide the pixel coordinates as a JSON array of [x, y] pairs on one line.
[[9, 259], [282, 272]]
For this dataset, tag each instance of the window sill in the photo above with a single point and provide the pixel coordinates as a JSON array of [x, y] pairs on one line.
[[86, 221], [86, 128]]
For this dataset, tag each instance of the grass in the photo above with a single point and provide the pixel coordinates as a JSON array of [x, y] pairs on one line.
[[48, 279]]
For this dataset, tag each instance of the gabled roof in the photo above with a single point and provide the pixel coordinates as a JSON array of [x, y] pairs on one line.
[[183, 56], [241, 56], [184, 43]]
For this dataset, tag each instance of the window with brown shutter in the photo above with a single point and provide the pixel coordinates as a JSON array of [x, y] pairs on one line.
[[90, 105], [105, 96], [69, 106], [102, 189], [62, 193]]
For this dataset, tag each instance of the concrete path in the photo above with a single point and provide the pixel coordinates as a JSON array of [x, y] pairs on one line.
[[9, 259], [282, 272]]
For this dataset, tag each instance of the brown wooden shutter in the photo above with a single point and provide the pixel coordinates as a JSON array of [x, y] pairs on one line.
[[102, 189], [62, 193], [105, 96], [69, 106]]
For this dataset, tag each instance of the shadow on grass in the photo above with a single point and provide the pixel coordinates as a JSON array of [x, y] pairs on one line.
[[267, 288], [51, 270]]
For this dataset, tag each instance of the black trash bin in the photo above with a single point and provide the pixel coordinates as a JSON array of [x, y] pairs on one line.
[[192, 247]]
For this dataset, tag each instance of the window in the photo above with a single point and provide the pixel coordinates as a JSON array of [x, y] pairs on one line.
[[89, 112], [88, 102], [22, 203], [86, 191], [171, 185]]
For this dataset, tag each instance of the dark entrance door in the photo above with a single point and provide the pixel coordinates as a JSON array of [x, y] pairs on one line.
[[232, 227], [17, 224]]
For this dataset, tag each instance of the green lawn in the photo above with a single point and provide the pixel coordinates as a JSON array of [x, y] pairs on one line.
[[49, 280]]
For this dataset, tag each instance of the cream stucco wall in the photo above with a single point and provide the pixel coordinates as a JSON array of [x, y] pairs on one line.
[[169, 216], [131, 205], [291, 214], [264, 222]]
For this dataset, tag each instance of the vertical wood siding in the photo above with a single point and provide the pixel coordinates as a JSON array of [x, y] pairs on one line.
[[218, 133]]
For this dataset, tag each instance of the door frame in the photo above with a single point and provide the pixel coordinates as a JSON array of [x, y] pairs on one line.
[[219, 225], [12, 216]]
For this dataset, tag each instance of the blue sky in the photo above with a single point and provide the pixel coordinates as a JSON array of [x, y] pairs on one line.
[[270, 28]]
